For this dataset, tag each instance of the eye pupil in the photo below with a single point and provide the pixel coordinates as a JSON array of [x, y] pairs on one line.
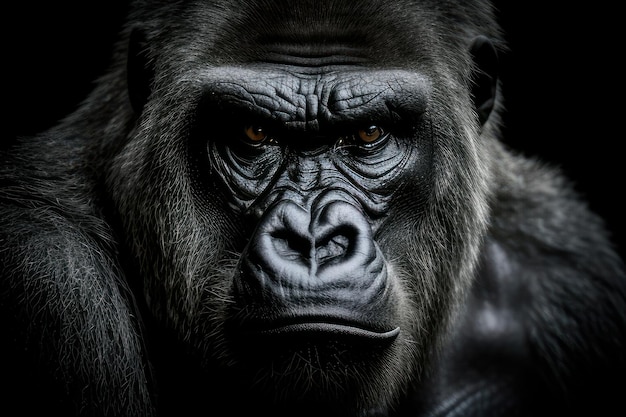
[[255, 133], [370, 134]]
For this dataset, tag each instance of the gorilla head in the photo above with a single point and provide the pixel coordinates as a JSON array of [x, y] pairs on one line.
[[302, 195], [303, 188]]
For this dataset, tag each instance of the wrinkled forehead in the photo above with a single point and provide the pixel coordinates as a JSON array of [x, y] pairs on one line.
[[304, 101]]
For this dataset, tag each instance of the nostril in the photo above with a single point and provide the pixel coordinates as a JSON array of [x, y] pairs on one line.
[[335, 246], [291, 246]]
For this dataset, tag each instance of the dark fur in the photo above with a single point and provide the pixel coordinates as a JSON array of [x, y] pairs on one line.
[[118, 257]]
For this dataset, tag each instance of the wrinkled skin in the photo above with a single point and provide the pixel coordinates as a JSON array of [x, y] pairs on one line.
[[302, 208]]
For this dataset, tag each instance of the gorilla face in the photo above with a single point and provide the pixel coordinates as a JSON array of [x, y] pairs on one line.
[[304, 201]]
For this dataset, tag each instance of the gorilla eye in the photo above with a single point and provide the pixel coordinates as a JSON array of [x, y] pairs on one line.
[[371, 134], [365, 139], [255, 133]]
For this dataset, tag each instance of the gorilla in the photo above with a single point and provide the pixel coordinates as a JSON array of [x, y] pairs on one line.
[[302, 208]]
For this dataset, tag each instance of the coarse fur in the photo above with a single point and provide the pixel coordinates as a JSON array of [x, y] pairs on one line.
[[132, 249]]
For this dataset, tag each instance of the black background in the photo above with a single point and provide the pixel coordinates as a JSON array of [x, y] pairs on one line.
[[563, 82]]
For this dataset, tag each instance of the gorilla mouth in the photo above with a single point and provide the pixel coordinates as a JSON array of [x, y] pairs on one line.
[[322, 328], [326, 329]]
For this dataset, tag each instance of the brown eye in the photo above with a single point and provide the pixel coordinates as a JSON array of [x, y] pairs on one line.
[[371, 134], [255, 133]]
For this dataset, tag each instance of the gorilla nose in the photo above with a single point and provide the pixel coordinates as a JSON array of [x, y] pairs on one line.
[[327, 253], [291, 236]]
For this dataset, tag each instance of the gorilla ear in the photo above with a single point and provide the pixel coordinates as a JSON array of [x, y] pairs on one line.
[[485, 76], [140, 70]]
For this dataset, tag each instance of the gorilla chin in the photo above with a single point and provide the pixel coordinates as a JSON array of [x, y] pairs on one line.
[[319, 367]]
